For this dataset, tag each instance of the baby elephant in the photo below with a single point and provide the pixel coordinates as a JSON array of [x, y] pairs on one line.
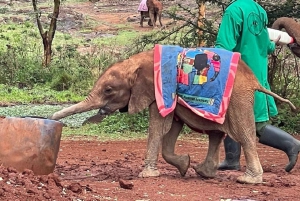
[[154, 10]]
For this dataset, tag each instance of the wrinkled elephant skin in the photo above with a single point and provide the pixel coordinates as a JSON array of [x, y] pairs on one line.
[[131, 83]]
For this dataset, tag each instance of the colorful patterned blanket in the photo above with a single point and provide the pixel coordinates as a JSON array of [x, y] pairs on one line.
[[201, 79]]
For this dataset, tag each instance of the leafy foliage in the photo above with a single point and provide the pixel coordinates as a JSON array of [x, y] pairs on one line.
[[287, 8], [284, 80]]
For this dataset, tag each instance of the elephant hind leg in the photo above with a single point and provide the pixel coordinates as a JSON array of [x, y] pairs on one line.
[[181, 162], [254, 171], [159, 18], [209, 167], [152, 17]]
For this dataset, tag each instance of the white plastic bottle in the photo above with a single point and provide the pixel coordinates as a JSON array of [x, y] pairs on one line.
[[284, 39]]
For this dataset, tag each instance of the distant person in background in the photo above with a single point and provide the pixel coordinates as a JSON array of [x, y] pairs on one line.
[[143, 6], [244, 29]]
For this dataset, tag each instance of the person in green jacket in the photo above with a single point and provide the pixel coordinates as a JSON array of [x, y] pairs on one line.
[[243, 29]]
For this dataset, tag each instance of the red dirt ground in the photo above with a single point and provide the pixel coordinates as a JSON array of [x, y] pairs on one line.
[[91, 170]]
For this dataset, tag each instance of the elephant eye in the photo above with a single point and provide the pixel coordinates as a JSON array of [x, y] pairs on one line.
[[108, 90]]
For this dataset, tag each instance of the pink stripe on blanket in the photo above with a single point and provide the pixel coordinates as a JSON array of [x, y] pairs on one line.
[[158, 84]]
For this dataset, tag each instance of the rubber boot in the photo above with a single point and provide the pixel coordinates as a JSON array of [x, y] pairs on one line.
[[279, 139], [232, 155]]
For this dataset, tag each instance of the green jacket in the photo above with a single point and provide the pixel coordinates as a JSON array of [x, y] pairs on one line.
[[244, 29]]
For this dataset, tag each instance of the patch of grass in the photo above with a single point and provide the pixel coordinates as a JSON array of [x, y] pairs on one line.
[[38, 94], [66, 39], [4, 10], [121, 39], [12, 34], [124, 26]]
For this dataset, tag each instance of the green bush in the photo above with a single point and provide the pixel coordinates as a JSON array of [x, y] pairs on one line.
[[21, 62], [62, 82], [120, 122], [287, 120]]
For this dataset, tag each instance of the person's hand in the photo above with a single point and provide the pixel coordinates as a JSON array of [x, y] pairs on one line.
[[277, 40]]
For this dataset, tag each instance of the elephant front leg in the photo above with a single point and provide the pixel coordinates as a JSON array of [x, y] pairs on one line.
[[150, 169], [209, 167], [181, 162], [158, 126]]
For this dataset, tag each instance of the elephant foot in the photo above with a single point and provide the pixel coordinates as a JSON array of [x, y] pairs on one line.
[[248, 179], [149, 172], [205, 170], [150, 23], [183, 163]]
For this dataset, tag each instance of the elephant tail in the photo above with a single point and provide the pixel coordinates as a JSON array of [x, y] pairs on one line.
[[266, 91]]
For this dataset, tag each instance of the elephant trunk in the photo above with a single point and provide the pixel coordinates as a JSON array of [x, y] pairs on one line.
[[292, 28], [80, 107]]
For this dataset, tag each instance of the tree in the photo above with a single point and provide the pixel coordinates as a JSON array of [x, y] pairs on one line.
[[48, 35], [200, 20]]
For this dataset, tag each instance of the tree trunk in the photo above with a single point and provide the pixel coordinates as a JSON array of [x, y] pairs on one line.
[[200, 22], [47, 49], [47, 36]]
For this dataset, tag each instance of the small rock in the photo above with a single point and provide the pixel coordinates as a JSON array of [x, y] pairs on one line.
[[27, 172], [1, 192], [31, 191], [47, 196], [75, 187], [132, 19], [12, 170], [55, 178], [125, 184]]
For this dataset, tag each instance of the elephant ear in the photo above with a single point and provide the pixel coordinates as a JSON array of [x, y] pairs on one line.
[[142, 90]]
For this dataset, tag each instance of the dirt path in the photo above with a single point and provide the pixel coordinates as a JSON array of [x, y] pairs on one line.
[[112, 16], [90, 170]]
